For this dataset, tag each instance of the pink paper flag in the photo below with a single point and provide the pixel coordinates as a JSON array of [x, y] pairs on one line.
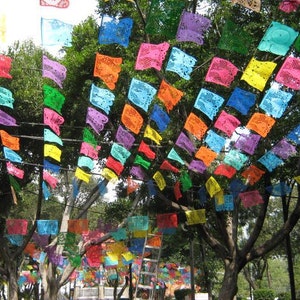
[[51, 180], [251, 198], [89, 150], [53, 120], [221, 71], [227, 123], [12, 170], [5, 66]]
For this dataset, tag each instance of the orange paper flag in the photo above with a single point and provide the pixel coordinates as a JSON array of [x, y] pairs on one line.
[[261, 124], [132, 119], [195, 126], [10, 141], [108, 68], [206, 155]]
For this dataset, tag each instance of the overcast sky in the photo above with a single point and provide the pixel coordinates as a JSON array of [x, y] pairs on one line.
[[23, 17]]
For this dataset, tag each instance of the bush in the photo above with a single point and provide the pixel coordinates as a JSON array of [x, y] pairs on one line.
[[180, 294], [264, 294], [284, 296]]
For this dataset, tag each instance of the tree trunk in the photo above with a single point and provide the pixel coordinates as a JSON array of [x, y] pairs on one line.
[[229, 284], [49, 282], [12, 282]]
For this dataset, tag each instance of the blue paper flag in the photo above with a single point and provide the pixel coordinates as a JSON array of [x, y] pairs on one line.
[[214, 141], [270, 161], [160, 117], [101, 98]]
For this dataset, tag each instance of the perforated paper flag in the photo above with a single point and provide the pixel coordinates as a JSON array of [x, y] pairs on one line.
[[194, 217], [181, 63], [132, 119], [195, 126], [289, 73], [253, 174], [152, 134], [115, 31], [151, 56], [214, 141], [257, 73], [284, 149], [227, 123], [254, 5], [101, 98], [9, 141], [6, 97], [53, 120], [55, 3], [159, 179], [261, 124], [221, 71], [54, 71], [107, 68], [251, 198], [185, 143], [124, 137], [278, 39], [96, 119], [212, 186], [160, 117], [270, 161], [5, 66], [192, 27], [208, 103], [206, 155]]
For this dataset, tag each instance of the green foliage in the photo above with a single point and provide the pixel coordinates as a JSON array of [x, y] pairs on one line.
[[263, 294], [284, 296], [182, 293]]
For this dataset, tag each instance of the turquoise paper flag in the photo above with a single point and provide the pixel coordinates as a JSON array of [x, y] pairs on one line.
[[50, 136], [12, 155], [6, 98], [174, 156], [120, 153]]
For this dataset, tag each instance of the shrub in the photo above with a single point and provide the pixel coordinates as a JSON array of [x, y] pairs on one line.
[[284, 296], [264, 294], [180, 294]]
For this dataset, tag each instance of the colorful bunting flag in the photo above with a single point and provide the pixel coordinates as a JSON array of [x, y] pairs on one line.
[[120, 153], [177, 191], [270, 161], [254, 5], [51, 180], [50, 136], [151, 56], [52, 151], [46, 227], [132, 119], [6, 119], [2, 28], [227, 123], [192, 27], [53, 120], [82, 175], [139, 160], [241, 100], [275, 102], [101, 98], [260, 123], [168, 166], [12, 155], [141, 93], [186, 181], [115, 31], [5, 66], [235, 159], [14, 171], [56, 33], [131, 185], [257, 73], [16, 226], [208, 103], [55, 3], [6, 98], [89, 150], [194, 217], [195, 126], [107, 68], [228, 204], [168, 220], [212, 186], [115, 165], [251, 198], [159, 179], [206, 155], [125, 138], [109, 174], [160, 117], [96, 119], [89, 137], [93, 256], [181, 63], [54, 71], [280, 189], [51, 167], [252, 174], [185, 143], [247, 142], [85, 162], [9, 141], [137, 172], [284, 149], [234, 38], [46, 192], [197, 166], [78, 226], [214, 141], [174, 156], [225, 170], [169, 95], [278, 39], [138, 223], [221, 71], [289, 73], [289, 6], [145, 149], [236, 186], [152, 134]]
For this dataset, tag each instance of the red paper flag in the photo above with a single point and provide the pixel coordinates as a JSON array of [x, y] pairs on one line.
[[115, 165], [5, 66], [131, 185], [177, 190], [167, 220], [168, 166], [78, 226], [16, 226], [144, 148]]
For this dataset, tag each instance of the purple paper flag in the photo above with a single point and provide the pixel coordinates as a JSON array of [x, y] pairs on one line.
[[124, 137], [185, 143], [54, 71], [6, 119], [96, 119]]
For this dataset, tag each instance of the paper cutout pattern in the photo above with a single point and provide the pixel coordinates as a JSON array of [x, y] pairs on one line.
[[132, 119], [192, 28], [6, 97], [101, 98], [221, 71], [227, 123], [251, 198], [261, 124], [278, 39], [54, 71], [254, 5], [195, 126], [55, 3], [5, 66], [151, 56]]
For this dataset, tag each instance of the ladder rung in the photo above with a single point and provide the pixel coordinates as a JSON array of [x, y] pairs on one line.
[[145, 287], [148, 273], [150, 260]]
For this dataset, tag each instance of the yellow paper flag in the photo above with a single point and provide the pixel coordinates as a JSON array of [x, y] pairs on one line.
[[220, 197], [81, 175], [152, 134], [257, 73], [109, 174], [159, 179], [52, 151], [212, 186], [195, 216]]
